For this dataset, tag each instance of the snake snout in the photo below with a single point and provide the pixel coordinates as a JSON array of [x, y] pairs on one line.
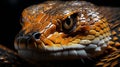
[[23, 41]]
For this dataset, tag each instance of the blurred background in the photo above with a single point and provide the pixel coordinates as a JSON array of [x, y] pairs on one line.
[[10, 12]]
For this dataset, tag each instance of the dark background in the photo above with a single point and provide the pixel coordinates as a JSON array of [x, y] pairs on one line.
[[10, 11]]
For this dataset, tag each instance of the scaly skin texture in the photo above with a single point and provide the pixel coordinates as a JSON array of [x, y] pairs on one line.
[[112, 60], [113, 56], [56, 30]]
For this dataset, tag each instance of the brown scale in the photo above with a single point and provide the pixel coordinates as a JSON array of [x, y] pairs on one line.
[[112, 59], [115, 41]]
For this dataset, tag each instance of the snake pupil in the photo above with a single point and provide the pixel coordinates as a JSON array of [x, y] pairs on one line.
[[68, 21]]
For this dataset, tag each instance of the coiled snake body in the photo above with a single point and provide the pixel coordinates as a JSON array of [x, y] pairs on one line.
[[56, 30]]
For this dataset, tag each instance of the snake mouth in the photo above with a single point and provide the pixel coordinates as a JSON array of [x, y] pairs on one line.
[[84, 49]]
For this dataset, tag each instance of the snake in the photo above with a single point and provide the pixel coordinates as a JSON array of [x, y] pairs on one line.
[[59, 30]]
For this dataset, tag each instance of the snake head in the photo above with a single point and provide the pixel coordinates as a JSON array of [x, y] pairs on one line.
[[52, 30]]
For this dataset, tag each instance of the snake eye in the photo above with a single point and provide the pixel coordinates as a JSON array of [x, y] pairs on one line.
[[36, 35], [69, 23]]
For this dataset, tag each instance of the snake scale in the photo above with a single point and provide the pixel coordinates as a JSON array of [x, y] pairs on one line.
[[58, 30]]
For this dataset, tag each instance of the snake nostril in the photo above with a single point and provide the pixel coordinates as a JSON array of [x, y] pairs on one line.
[[36, 35]]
